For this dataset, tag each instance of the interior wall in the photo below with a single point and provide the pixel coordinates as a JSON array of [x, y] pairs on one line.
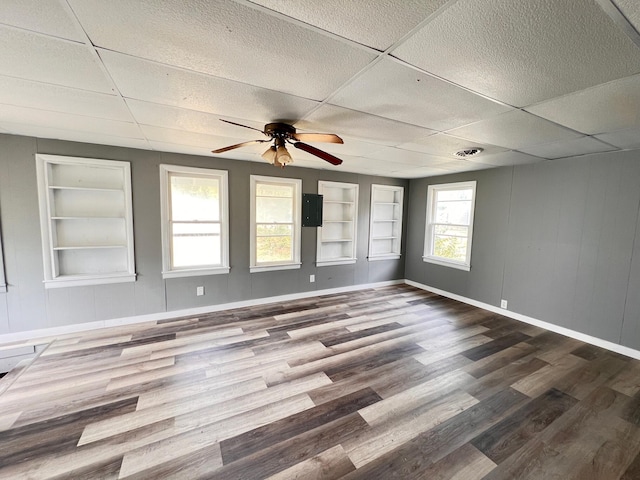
[[555, 239], [27, 305]]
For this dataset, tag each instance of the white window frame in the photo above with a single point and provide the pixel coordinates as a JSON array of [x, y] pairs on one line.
[[430, 231], [256, 266], [222, 176]]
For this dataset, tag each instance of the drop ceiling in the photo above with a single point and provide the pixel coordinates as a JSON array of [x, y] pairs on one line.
[[405, 83]]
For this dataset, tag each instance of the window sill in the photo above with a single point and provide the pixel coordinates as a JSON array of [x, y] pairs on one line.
[[201, 272], [268, 268], [445, 263]]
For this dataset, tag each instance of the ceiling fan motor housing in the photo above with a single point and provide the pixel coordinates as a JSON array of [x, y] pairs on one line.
[[282, 130]]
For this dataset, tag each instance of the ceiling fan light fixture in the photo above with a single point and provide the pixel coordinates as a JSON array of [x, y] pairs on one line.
[[282, 156], [270, 155]]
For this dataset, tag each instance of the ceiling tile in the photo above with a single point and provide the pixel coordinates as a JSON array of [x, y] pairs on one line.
[[392, 90], [73, 135], [406, 157], [631, 10], [605, 108], [153, 82], [66, 121], [377, 27], [523, 52], [192, 121], [419, 172], [506, 159], [514, 130], [190, 150], [225, 39], [25, 93], [568, 148], [50, 60], [462, 166], [622, 138], [446, 145], [362, 126], [44, 16], [351, 146], [192, 139]]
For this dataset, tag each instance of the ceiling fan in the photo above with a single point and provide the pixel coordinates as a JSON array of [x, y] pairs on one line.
[[280, 134]]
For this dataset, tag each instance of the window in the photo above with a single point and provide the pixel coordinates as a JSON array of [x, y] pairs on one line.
[[275, 223], [86, 221], [337, 235], [385, 232], [450, 224], [195, 224]]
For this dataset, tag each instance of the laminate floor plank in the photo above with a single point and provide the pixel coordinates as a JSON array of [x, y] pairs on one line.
[[390, 382]]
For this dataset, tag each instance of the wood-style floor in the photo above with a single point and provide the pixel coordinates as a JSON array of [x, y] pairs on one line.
[[376, 384]]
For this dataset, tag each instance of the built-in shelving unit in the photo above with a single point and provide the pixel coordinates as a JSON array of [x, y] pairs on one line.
[[337, 235], [385, 233], [86, 220]]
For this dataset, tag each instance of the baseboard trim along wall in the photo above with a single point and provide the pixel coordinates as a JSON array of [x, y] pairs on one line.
[[614, 347], [44, 335], [47, 334]]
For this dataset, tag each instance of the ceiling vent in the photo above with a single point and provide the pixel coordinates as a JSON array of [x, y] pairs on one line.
[[468, 152]]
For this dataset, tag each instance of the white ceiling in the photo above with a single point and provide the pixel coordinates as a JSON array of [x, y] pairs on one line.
[[406, 83]]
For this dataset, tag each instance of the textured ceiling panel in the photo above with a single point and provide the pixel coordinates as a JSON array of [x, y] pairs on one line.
[[406, 157], [622, 138], [605, 108], [25, 93], [225, 39], [631, 10], [73, 135], [44, 16], [47, 59], [568, 148], [377, 25], [145, 80], [446, 145], [368, 128], [506, 159], [522, 52], [398, 92], [65, 121], [514, 130]]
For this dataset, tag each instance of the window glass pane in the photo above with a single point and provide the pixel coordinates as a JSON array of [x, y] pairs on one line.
[[447, 195], [274, 249], [271, 230], [195, 198], [453, 212], [196, 244], [271, 190], [452, 231], [271, 209], [453, 248]]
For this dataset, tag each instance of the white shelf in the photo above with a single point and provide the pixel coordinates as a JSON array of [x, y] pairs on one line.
[[86, 220], [337, 236], [386, 222]]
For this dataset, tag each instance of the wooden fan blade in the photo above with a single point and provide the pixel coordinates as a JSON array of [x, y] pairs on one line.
[[318, 153], [240, 125], [238, 145], [317, 137]]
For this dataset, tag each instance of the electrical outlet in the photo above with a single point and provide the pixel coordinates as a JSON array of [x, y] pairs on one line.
[[503, 304], [312, 278], [199, 291]]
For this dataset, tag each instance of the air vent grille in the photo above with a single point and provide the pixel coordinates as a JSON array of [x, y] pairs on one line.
[[467, 152]]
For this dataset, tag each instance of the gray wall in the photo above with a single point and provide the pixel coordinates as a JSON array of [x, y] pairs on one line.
[[27, 305], [555, 239]]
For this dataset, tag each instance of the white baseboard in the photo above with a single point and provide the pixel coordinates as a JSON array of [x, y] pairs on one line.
[[32, 337], [614, 347]]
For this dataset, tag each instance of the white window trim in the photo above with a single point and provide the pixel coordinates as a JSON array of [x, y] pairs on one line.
[[254, 266], [223, 176], [428, 237]]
